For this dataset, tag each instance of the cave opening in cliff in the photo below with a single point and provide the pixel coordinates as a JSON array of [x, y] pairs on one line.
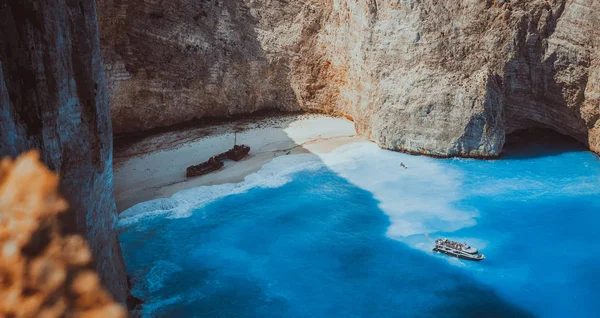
[[538, 142]]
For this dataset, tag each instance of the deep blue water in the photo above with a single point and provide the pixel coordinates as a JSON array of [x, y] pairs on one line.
[[328, 243]]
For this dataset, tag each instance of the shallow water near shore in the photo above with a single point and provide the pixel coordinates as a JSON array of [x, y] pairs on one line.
[[344, 234]]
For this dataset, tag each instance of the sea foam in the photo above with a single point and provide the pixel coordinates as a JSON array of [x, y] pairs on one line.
[[418, 200], [282, 254], [180, 205]]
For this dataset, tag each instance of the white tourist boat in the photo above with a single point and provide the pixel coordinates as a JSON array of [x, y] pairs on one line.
[[460, 250]]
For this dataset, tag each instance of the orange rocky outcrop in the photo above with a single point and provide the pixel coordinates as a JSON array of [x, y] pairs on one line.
[[43, 273]]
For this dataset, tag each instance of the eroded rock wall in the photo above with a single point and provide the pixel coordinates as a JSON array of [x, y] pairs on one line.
[[445, 78], [171, 61], [53, 98]]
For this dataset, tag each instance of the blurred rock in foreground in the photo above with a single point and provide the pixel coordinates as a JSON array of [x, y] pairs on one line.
[[43, 272]]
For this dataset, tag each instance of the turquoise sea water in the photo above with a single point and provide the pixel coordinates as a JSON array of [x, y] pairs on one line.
[[344, 235]]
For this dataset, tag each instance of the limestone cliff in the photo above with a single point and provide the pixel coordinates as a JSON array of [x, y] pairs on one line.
[[445, 78], [53, 98]]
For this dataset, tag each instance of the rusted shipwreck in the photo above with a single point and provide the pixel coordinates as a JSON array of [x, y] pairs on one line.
[[237, 153], [212, 164]]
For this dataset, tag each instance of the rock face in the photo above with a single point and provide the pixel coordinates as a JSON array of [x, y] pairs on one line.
[[445, 78], [170, 61], [53, 98]]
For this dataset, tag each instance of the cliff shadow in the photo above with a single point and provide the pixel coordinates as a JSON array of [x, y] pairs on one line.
[[539, 142], [152, 165], [187, 59], [545, 85], [315, 244]]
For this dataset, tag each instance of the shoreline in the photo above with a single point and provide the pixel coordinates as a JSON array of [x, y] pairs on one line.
[[154, 166]]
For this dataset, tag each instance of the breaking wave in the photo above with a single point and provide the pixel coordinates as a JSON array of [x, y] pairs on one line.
[[180, 205], [318, 227], [418, 200]]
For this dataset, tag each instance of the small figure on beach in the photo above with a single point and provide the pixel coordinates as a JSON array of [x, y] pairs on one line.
[[403, 165]]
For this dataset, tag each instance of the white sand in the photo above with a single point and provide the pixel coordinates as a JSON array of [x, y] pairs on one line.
[[155, 167]]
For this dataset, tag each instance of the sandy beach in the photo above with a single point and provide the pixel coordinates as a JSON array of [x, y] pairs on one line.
[[154, 167]]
